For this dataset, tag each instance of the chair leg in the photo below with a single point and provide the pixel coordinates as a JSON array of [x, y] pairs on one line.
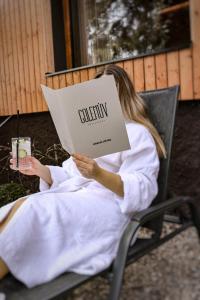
[[120, 262], [116, 283]]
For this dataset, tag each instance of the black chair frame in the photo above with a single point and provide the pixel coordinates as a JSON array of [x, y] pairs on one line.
[[162, 106]]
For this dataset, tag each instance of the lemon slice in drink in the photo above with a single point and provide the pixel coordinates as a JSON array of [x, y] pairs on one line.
[[22, 153]]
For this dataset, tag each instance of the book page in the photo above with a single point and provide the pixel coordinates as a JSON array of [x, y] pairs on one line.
[[94, 117], [58, 115]]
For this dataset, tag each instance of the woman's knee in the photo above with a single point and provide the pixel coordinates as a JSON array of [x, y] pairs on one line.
[[3, 269], [11, 213], [17, 205]]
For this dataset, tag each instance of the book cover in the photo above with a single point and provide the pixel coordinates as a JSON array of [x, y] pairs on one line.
[[88, 117]]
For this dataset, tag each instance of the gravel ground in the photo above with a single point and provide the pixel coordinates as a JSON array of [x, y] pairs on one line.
[[171, 272]]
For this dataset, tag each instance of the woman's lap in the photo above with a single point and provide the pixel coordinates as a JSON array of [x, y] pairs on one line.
[[47, 223], [71, 207], [75, 205]]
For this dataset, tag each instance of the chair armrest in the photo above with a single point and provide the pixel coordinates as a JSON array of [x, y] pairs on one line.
[[159, 209]]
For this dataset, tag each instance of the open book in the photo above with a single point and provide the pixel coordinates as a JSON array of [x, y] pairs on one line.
[[88, 117]]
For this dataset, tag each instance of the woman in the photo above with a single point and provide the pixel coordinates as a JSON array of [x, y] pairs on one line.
[[75, 222]]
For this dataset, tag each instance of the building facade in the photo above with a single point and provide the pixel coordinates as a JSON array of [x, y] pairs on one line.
[[38, 37]]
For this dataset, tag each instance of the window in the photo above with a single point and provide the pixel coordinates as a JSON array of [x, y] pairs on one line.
[[105, 30]]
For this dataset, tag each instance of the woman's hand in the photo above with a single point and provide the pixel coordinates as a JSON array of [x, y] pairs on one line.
[[34, 169], [87, 166], [90, 169]]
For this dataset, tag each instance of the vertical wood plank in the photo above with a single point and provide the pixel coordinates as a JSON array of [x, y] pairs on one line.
[[31, 107], [24, 68], [1, 93], [186, 78], [196, 71], [62, 81], [69, 78], [48, 35], [1, 88], [42, 21], [15, 70], [84, 75], [36, 28], [76, 77], [1, 60], [46, 55], [44, 46], [3, 99], [149, 73], [195, 32], [7, 59], [25, 58], [173, 68], [19, 50], [161, 71], [91, 73], [139, 82], [129, 68], [56, 83], [42, 14], [49, 82]]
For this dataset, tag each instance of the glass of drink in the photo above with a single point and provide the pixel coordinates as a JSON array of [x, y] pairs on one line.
[[22, 146]]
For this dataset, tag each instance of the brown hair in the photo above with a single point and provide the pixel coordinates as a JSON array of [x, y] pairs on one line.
[[132, 104]]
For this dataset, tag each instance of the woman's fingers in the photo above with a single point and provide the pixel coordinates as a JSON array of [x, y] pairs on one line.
[[87, 166], [25, 172], [81, 157], [80, 160], [81, 164], [31, 161]]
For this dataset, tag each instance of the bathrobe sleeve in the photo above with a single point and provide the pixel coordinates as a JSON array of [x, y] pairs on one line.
[[139, 171], [58, 175]]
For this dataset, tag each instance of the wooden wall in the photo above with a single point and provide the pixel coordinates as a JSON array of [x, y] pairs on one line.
[[26, 53], [147, 73], [156, 71], [195, 33]]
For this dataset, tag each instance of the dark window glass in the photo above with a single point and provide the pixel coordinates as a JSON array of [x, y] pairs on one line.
[[114, 29]]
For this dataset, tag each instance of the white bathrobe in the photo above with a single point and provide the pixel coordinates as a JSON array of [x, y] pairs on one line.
[[75, 225]]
